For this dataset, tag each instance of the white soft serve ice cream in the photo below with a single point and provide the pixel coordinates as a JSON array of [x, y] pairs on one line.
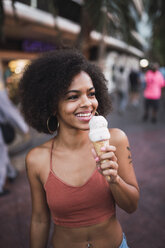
[[98, 126]]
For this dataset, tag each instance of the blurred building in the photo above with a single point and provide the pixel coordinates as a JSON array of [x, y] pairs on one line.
[[34, 26]]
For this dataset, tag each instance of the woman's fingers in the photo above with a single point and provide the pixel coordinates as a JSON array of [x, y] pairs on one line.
[[109, 164], [110, 172], [108, 148], [108, 156], [94, 153], [108, 153]]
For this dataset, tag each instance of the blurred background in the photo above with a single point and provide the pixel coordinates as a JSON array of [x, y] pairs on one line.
[[124, 38]]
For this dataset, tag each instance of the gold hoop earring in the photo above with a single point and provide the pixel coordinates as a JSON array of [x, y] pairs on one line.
[[47, 123], [56, 123], [96, 113]]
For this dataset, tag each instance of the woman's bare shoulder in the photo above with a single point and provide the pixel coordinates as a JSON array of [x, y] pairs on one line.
[[38, 155], [118, 136]]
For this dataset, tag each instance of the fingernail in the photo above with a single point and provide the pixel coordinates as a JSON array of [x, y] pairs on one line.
[[97, 159], [102, 148]]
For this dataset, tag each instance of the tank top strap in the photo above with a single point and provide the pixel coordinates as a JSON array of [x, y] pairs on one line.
[[51, 153]]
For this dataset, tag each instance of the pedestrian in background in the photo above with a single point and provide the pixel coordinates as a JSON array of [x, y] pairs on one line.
[[134, 88], [142, 80], [152, 93], [121, 80], [61, 92], [8, 112]]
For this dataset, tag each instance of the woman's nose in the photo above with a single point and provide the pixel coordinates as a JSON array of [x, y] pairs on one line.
[[85, 101]]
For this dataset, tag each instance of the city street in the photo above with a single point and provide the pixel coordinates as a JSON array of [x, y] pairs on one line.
[[125, 39], [145, 228]]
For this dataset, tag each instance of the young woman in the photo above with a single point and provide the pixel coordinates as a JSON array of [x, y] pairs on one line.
[[152, 93], [61, 91]]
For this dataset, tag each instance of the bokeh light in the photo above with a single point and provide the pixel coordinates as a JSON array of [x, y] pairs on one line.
[[144, 63]]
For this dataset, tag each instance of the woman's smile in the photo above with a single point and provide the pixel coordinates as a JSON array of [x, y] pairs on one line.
[[84, 116]]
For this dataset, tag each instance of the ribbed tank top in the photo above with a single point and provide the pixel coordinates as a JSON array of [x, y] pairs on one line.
[[79, 206]]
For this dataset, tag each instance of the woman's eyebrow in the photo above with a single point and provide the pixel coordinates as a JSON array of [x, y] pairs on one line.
[[77, 91], [72, 91], [92, 88]]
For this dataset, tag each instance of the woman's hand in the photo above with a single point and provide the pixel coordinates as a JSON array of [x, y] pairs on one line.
[[116, 165], [107, 163]]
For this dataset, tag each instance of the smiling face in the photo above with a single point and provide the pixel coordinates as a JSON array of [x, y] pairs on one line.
[[79, 103]]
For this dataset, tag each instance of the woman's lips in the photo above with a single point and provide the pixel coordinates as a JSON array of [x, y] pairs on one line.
[[84, 116]]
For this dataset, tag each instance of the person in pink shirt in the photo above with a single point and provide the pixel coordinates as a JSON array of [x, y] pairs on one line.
[[152, 93]]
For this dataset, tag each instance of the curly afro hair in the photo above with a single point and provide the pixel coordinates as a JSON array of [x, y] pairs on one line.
[[46, 80]]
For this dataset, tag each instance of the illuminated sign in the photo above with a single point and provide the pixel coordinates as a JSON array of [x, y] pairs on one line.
[[37, 46]]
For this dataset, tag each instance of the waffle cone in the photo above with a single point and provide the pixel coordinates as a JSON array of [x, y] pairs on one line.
[[97, 145]]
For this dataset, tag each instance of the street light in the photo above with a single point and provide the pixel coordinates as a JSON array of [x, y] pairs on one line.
[[144, 63]]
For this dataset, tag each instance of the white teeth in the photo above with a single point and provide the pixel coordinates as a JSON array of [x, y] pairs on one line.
[[84, 115]]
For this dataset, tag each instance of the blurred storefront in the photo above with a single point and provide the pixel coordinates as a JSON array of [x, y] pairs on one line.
[[27, 32], [29, 29], [12, 73]]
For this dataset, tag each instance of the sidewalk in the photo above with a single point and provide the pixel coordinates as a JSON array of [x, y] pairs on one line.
[[145, 228]]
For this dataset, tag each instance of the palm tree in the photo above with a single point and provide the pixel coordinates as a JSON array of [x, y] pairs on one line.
[[156, 12], [109, 17], [1, 20]]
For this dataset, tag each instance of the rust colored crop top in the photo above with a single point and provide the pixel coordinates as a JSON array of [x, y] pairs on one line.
[[80, 206]]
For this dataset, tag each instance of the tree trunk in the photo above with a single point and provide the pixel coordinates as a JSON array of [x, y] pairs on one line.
[[83, 39], [102, 44]]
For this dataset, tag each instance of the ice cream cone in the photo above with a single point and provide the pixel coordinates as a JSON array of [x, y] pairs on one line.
[[97, 145], [99, 135]]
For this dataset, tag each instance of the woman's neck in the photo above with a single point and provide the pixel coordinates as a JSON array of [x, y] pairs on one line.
[[72, 139]]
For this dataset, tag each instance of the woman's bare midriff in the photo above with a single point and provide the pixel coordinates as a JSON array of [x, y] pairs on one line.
[[107, 234]]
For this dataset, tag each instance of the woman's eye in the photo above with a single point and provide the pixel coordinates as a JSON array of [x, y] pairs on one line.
[[72, 97], [92, 94]]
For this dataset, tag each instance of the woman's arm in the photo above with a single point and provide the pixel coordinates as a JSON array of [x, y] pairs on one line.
[[119, 167], [40, 220]]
